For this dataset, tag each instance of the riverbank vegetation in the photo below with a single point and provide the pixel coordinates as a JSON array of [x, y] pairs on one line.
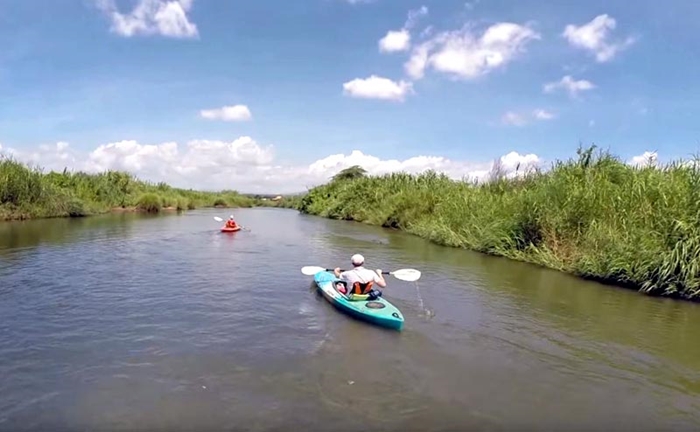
[[27, 192], [593, 216]]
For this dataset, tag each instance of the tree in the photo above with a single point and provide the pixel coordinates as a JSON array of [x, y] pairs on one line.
[[350, 173]]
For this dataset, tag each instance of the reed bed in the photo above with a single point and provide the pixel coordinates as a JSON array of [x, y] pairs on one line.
[[27, 192], [592, 216]]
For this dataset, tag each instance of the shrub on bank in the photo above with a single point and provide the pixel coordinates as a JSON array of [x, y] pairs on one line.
[[593, 216], [27, 192], [150, 203]]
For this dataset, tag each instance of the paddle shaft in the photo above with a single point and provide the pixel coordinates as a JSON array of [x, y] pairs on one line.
[[408, 275], [384, 272]]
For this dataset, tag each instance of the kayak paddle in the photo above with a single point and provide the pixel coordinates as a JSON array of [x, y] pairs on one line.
[[408, 275]]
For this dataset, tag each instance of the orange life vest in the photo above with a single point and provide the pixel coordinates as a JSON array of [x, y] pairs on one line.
[[362, 288]]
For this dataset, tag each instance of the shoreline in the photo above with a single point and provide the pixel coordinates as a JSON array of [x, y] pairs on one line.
[[29, 193], [134, 209], [595, 218], [612, 283], [15, 216]]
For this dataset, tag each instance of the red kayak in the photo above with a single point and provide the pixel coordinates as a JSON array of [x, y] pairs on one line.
[[228, 229]]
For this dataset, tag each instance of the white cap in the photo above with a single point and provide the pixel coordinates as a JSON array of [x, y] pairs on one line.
[[357, 259]]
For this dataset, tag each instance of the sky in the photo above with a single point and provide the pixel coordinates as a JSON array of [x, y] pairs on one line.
[[277, 96]]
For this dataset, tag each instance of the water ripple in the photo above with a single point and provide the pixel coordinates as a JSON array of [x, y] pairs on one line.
[[129, 322]]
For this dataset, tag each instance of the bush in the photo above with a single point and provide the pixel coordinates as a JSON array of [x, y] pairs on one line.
[[150, 203]]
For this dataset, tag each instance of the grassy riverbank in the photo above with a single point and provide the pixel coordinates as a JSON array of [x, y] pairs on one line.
[[27, 192], [593, 216]]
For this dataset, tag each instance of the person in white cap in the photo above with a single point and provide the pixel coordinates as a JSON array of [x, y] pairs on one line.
[[359, 280]]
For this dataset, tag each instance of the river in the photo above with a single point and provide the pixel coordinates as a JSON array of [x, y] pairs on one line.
[[135, 322]]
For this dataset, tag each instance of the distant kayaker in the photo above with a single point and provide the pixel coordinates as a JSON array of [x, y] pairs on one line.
[[230, 223], [359, 279]]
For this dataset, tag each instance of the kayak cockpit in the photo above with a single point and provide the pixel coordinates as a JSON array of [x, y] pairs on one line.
[[342, 288]]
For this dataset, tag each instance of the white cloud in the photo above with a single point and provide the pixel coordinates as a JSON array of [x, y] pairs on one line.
[[227, 113], [415, 66], [395, 40], [131, 156], [49, 156], [414, 15], [245, 165], [645, 159], [376, 87], [541, 114], [323, 169], [594, 37], [463, 54], [512, 118], [570, 85], [328, 166], [163, 17], [514, 161], [400, 40], [426, 32]]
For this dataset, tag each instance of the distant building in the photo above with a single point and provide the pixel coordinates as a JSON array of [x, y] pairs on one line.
[[277, 198]]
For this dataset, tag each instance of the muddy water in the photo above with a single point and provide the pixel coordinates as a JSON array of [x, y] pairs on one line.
[[133, 322]]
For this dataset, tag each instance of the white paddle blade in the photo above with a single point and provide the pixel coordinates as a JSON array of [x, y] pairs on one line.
[[218, 219], [311, 270], [408, 275]]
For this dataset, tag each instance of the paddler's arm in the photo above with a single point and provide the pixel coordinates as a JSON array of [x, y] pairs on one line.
[[336, 272], [380, 279]]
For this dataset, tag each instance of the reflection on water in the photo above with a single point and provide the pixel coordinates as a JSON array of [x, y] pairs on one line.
[[162, 322]]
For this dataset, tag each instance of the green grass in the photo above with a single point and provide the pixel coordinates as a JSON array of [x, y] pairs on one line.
[[593, 216], [27, 192], [150, 203]]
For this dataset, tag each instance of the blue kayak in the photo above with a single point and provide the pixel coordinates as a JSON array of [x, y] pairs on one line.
[[376, 311]]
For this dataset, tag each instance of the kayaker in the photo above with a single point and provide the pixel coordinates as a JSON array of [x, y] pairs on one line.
[[359, 279], [230, 223]]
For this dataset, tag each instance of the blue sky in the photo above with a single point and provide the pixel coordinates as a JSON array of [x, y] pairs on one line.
[[113, 81]]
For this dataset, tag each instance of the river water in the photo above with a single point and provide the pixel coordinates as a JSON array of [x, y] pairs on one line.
[[133, 322]]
